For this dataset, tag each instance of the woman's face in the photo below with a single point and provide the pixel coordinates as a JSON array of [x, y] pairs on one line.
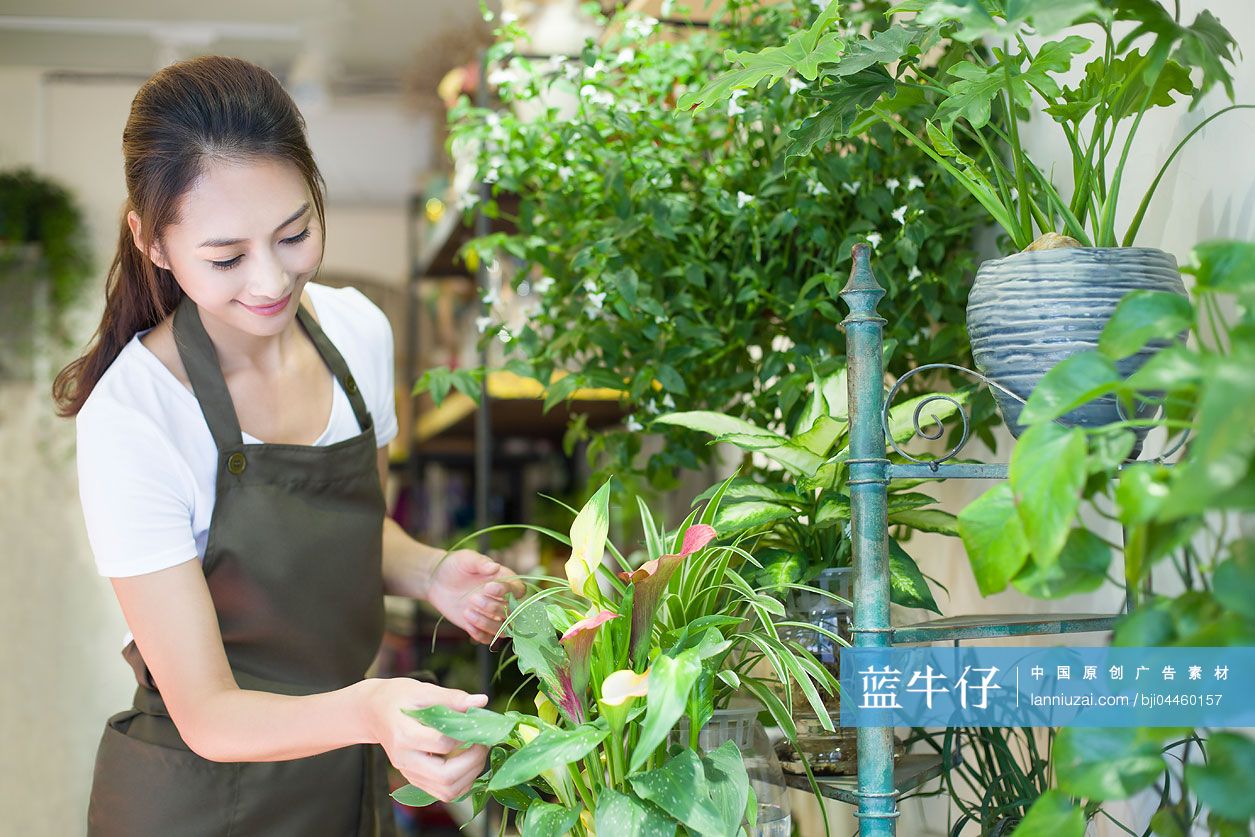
[[246, 242]]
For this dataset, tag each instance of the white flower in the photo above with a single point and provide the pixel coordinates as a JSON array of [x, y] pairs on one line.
[[816, 188], [781, 343], [640, 27], [503, 76], [873, 238], [659, 319], [625, 56], [566, 172], [632, 425], [492, 297], [508, 17], [892, 183], [755, 353], [590, 286], [899, 214], [668, 402], [734, 103], [914, 273], [504, 336], [598, 67], [543, 286], [492, 175], [914, 182], [742, 199], [592, 313], [667, 5], [796, 85], [569, 156], [482, 323], [597, 300], [852, 188]]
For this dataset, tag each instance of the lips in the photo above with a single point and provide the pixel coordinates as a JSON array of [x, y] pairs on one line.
[[269, 310]]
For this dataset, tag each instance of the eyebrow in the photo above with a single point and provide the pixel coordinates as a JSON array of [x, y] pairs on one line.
[[227, 242]]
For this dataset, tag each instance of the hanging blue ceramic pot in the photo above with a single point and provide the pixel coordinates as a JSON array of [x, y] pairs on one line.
[[1030, 311]]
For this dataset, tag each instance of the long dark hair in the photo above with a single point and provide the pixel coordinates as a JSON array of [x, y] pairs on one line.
[[184, 117]]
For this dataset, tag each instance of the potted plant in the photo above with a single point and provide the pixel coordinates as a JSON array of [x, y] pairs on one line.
[[1028, 533], [673, 257], [44, 256], [976, 71], [635, 730]]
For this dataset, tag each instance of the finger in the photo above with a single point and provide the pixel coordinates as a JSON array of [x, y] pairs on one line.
[[429, 740]]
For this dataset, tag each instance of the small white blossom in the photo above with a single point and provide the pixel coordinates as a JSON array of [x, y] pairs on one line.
[[566, 172], [625, 56], [914, 273], [873, 238], [595, 69], [492, 175], [742, 199], [651, 407], [796, 85], [914, 182], [492, 297], [640, 27], [668, 402], [591, 312], [482, 323], [816, 188], [734, 103], [899, 214], [569, 155], [508, 17], [755, 353], [504, 336], [852, 188], [892, 183], [665, 9], [781, 343], [543, 286], [632, 425], [659, 319], [597, 300], [590, 286]]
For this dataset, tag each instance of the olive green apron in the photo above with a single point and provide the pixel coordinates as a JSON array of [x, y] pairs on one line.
[[293, 563]]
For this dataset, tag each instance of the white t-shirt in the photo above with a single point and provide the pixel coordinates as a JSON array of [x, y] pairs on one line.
[[147, 461]]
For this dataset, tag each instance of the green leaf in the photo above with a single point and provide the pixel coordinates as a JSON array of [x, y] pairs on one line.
[[1223, 783], [619, 813], [1053, 814], [1143, 316], [1081, 568], [535, 643], [994, 538], [884, 47], [849, 100], [680, 788], [474, 726], [1047, 474], [670, 682], [931, 410], [1098, 763], [1223, 265], [741, 489], [1069, 384], [972, 95], [822, 435], [1234, 581], [796, 459], [907, 586], [974, 20], [1141, 492], [1054, 57], [544, 819], [553, 748], [729, 784], [736, 518], [927, 520], [588, 539], [413, 797]]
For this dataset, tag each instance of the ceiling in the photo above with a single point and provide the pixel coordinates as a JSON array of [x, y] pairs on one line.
[[406, 42]]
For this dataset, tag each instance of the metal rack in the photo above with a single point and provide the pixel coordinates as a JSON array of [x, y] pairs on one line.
[[879, 782]]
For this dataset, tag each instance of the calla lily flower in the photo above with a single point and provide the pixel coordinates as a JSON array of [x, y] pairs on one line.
[[588, 541], [578, 642], [650, 580], [624, 685]]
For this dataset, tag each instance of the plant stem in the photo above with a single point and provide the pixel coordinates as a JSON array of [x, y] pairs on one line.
[[1017, 153], [585, 796]]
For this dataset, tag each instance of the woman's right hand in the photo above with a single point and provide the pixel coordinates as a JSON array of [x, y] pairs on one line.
[[440, 765]]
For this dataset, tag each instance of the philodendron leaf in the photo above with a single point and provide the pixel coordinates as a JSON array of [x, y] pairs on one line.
[[994, 538], [735, 518], [620, 813], [544, 819], [822, 435], [1223, 783], [795, 458], [1052, 815], [907, 586], [729, 784], [670, 682], [1097, 763], [413, 797], [1072, 382], [1047, 474], [679, 787], [1143, 316], [1081, 568], [552, 748], [849, 99]]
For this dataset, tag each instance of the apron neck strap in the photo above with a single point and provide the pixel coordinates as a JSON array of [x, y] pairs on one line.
[[200, 360]]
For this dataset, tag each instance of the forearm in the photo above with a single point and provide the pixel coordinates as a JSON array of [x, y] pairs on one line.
[[235, 724], [407, 564]]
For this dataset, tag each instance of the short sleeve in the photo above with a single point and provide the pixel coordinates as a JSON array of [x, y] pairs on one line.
[[136, 491]]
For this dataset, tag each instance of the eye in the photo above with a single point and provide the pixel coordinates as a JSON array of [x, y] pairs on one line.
[[298, 238], [228, 264]]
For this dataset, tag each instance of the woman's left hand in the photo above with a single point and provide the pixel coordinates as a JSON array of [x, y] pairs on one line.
[[469, 589]]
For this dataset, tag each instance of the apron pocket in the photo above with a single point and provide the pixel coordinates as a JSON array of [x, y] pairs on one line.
[[141, 789]]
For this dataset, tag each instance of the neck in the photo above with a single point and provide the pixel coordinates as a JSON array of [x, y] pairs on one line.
[[239, 351]]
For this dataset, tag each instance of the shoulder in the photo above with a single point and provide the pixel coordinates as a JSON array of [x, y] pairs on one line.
[[346, 307]]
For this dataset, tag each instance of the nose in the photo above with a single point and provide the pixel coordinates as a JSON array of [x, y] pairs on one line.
[[270, 280]]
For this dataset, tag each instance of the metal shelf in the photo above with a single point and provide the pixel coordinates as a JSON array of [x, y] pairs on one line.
[[988, 626], [909, 771]]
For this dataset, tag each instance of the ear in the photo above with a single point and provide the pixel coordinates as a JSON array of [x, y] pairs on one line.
[[154, 251]]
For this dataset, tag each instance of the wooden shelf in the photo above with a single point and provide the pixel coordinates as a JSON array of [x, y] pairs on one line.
[[909, 771], [1001, 625]]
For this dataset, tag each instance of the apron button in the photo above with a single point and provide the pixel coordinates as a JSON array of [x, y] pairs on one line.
[[350, 386], [236, 463]]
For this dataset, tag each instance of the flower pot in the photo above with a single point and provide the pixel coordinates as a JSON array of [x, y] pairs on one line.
[[741, 726], [1030, 311]]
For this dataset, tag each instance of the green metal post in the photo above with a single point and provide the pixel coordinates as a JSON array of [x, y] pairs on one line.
[[869, 478]]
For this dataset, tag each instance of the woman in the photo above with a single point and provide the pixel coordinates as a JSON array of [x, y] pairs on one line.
[[232, 421]]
